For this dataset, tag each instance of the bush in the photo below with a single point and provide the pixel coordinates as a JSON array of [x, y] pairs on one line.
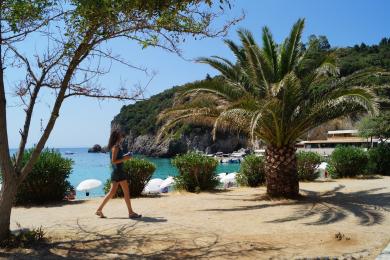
[[252, 172], [139, 172], [196, 172], [24, 238], [348, 161], [380, 159], [306, 164], [48, 180]]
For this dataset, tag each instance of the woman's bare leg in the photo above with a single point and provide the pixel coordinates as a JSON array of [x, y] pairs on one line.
[[126, 192], [109, 195]]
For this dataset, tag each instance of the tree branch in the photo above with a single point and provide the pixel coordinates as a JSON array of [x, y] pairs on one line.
[[79, 55]]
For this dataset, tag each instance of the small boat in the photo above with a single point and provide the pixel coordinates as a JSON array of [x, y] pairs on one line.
[[69, 152], [219, 154], [235, 160], [238, 154], [225, 160]]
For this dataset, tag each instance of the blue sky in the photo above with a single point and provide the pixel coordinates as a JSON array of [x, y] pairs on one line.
[[84, 122]]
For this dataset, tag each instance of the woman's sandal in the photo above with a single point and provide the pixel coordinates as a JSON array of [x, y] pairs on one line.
[[100, 214], [134, 215]]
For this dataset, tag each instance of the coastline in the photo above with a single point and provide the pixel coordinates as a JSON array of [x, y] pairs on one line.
[[97, 166]]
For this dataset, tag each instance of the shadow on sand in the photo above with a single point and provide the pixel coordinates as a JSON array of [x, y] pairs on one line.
[[145, 219], [53, 204], [129, 242], [329, 207]]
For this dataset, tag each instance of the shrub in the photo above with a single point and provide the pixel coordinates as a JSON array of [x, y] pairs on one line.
[[139, 172], [24, 238], [196, 172], [48, 180], [252, 172], [347, 161], [380, 159], [306, 164]]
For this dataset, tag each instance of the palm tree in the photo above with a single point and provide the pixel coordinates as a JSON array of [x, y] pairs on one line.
[[276, 93]]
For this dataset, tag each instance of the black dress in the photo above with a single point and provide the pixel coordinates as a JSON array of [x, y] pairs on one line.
[[117, 173]]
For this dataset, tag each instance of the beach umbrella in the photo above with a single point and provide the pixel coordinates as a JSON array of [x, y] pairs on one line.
[[229, 180], [153, 186], [167, 182], [322, 166], [321, 169], [88, 185], [220, 176]]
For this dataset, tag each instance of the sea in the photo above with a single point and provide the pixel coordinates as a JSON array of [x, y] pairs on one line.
[[97, 166]]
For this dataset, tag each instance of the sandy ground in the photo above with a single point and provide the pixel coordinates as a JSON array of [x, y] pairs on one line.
[[237, 223]]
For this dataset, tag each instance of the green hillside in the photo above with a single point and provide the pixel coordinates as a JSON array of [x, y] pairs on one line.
[[140, 118]]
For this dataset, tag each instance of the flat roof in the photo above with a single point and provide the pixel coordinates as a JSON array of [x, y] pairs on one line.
[[339, 141], [342, 132]]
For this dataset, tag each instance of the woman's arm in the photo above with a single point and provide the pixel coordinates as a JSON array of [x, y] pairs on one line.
[[114, 159]]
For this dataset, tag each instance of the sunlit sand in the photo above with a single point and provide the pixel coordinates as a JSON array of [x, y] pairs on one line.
[[343, 218]]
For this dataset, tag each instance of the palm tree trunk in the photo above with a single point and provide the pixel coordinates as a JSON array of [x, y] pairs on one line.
[[281, 172]]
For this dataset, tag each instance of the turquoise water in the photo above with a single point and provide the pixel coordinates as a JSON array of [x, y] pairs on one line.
[[97, 166]]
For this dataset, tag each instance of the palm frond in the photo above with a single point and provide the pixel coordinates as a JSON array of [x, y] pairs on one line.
[[231, 119], [225, 92], [258, 69], [192, 114], [291, 48], [228, 70], [237, 51], [270, 51]]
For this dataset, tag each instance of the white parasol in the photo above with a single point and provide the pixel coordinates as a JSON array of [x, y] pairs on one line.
[[321, 169], [229, 180], [153, 186], [222, 175], [167, 182], [88, 185], [322, 166]]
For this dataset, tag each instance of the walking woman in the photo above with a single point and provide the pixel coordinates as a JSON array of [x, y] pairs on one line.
[[118, 176]]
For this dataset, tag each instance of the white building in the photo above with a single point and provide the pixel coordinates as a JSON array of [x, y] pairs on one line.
[[335, 138]]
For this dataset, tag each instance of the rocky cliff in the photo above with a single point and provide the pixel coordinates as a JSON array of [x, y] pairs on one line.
[[199, 139]]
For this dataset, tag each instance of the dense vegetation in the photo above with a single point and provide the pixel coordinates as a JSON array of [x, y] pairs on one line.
[[364, 56], [140, 118], [252, 171], [48, 181], [379, 159], [348, 161], [307, 163], [196, 172]]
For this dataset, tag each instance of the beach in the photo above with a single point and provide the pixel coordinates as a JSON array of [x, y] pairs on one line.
[[343, 218]]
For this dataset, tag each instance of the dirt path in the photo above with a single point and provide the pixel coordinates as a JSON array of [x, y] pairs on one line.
[[237, 223]]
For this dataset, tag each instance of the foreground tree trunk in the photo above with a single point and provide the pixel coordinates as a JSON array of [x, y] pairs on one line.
[[281, 172], [7, 197]]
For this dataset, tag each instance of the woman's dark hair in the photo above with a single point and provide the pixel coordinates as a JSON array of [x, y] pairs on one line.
[[114, 137]]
